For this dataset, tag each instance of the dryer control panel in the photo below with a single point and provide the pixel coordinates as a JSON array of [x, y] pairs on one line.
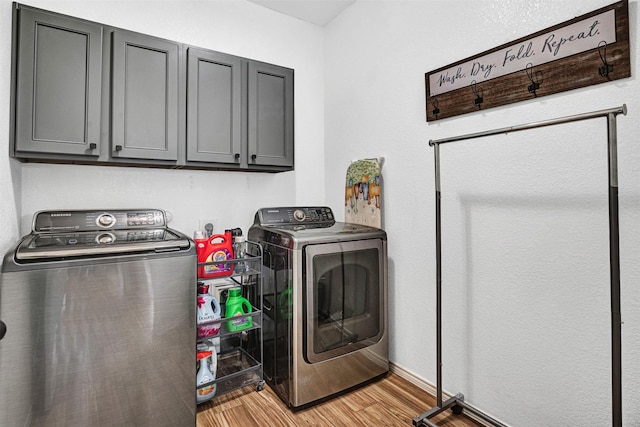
[[294, 215]]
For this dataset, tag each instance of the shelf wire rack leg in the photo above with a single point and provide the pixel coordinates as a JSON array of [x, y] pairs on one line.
[[423, 418], [436, 158], [456, 403], [614, 260]]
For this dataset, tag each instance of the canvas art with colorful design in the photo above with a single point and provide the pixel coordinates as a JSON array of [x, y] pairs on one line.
[[363, 192]]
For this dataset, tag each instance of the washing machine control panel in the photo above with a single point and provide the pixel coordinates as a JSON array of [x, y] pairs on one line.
[[62, 221], [294, 215]]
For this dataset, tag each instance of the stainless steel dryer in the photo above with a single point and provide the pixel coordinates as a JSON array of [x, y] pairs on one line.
[[97, 322], [325, 303]]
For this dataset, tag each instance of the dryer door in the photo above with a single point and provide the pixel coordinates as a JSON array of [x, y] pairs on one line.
[[344, 298]]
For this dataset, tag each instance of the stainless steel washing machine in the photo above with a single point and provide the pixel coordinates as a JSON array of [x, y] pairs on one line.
[[325, 303], [97, 322]]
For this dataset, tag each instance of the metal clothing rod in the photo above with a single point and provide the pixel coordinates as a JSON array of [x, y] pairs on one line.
[[577, 117], [457, 403]]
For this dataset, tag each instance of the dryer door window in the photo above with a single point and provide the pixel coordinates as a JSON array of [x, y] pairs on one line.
[[344, 289]]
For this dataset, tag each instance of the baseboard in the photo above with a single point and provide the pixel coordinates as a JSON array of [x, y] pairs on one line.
[[429, 388], [415, 380]]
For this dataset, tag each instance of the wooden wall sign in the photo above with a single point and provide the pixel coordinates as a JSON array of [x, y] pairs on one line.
[[587, 50]]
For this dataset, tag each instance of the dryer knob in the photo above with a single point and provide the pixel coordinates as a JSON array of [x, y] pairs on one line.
[[106, 220], [299, 215], [105, 239]]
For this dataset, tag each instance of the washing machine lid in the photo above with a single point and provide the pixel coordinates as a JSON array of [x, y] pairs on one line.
[[43, 246], [64, 234]]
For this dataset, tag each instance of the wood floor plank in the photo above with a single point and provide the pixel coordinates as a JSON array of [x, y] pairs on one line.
[[380, 415], [239, 416], [334, 411], [314, 416], [356, 401], [391, 401], [398, 399], [267, 409]]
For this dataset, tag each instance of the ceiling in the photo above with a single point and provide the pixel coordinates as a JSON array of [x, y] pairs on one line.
[[319, 12]]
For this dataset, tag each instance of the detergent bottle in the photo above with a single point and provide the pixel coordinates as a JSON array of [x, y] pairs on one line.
[[236, 308], [206, 374], [202, 241], [208, 311], [211, 249]]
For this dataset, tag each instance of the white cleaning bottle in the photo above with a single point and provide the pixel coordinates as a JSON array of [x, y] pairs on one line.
[[205, 376], [208, 311]]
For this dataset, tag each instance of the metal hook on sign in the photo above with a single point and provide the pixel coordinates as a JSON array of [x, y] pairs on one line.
[[535, 84], [606, 68], [434, 101], [477, 93]]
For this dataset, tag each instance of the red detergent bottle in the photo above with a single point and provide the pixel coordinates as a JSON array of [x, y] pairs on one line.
[[211, 249]]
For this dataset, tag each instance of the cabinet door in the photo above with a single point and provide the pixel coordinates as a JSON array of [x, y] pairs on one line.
[[270, 136], [58, 88], [144, 97], [214, 110]]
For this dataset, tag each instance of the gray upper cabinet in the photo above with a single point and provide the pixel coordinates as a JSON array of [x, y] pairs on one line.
[[144, 103], [239, 112], [84, 92], [214, 107], [58, 84], [270, 118]]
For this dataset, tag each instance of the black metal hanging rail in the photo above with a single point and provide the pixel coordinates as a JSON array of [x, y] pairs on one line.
[[456, 403]]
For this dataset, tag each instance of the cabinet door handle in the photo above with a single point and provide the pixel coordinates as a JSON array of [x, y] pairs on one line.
[[118, 147], [3, 329], [237, 157], [254, 157], [93, 146]]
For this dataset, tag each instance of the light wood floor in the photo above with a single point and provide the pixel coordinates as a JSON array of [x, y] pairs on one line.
[[391, 401]]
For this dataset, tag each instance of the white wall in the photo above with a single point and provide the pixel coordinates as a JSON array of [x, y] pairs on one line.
[[525, 227], [232, 26]]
